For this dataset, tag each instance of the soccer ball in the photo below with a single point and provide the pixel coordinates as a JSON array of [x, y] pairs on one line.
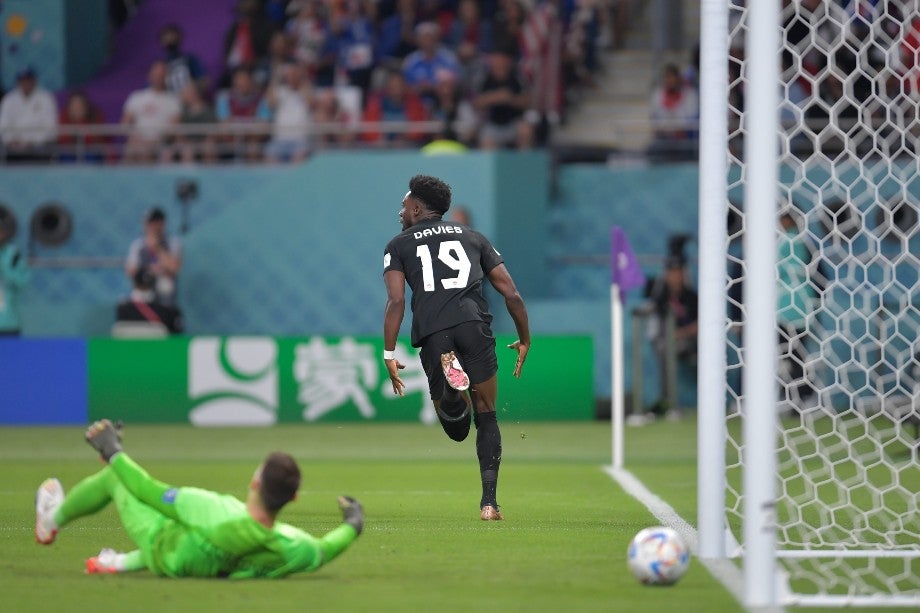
[[658, 556]]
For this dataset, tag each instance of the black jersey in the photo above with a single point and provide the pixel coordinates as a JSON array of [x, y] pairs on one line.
[[444, 264]]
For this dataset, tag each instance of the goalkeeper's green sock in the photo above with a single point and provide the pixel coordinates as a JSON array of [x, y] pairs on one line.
[[87, 497]]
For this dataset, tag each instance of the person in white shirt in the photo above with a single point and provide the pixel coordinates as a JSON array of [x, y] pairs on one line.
[[150, 113], [289, 101], [28, 120]]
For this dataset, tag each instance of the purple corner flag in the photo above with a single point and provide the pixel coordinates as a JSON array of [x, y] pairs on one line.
[[625, 270]]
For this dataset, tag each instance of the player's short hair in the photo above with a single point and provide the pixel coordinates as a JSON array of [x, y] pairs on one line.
[[430, 191], [279, 481]]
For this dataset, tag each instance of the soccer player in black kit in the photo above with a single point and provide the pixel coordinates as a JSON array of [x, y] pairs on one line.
[[444, 264]]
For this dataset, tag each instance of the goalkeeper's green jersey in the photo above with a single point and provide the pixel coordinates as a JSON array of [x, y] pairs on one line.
[[206, 534]]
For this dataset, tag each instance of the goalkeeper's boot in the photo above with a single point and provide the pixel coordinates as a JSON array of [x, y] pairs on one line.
[[453, 372], [455, 418], [48, 498], [102, 564], [490, 513]]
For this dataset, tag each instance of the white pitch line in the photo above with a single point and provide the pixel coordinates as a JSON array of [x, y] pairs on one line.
[[723, 570]]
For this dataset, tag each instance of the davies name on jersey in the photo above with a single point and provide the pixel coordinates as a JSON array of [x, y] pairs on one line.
[[437, 230]]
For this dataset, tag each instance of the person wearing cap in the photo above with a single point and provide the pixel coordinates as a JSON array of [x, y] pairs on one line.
[[28, 119], [158, 253]]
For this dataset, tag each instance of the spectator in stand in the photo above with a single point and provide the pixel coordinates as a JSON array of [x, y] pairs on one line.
[[541, 65], [508, 26], [423, 66], [471, 38], [196, 146], [396, 34], [308, 30], [674, 111], [328, 111], [182, 67], [502, 101], [28, 120], [354, 32], [454, 110], [395, 102], [246, 41], [469, 34], [150, 114], [277, 11], [441, 12], [78, 111], [142, 305], [269, 68], [289, 100], [242, 103]]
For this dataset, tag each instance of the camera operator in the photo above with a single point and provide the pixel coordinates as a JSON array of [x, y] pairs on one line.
[[157, 253]]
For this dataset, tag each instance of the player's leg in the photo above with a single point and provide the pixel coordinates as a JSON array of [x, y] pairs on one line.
[[450, 405], [476, 348], [488, 445], [88, 497], [110, 561], [140, 521], [53, 509]]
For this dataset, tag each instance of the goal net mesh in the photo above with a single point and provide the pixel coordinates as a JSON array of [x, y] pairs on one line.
[[848, 295]]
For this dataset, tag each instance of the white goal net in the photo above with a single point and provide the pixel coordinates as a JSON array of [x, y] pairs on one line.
[[848, 298]]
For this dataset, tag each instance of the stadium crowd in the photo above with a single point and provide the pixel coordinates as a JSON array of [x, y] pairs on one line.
[[303, 75]]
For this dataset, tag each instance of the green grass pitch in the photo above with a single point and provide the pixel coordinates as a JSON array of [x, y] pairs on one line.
[[561, 548]]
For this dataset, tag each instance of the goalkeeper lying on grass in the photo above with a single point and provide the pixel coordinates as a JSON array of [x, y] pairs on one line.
[[190, 532]]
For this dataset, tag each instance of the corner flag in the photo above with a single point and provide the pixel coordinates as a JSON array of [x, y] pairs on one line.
[[624, 269]]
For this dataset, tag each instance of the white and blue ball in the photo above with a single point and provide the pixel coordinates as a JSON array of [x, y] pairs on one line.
[[658, 556]]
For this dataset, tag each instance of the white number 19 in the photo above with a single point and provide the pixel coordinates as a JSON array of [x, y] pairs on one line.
[[453, 255]]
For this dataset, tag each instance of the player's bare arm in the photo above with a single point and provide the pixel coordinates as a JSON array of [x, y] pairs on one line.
[[392, 318], [503, 283]]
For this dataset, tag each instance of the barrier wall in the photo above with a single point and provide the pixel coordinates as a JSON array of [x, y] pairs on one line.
[[269, 250], [262, 380]]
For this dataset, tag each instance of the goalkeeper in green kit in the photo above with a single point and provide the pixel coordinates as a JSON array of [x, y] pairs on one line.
[[191, 532]]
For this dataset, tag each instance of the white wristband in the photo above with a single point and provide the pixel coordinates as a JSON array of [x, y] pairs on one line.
[[389, 355]]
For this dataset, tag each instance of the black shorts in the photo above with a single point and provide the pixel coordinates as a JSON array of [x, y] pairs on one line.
[[473, 344]]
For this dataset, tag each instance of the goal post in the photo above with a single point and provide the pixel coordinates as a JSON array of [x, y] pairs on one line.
[[713, 209], [811, 458]]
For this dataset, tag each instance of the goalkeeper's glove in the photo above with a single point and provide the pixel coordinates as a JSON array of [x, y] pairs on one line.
[[105, 438], [352, 512]]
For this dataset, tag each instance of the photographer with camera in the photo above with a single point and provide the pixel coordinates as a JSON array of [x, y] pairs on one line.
[[159, 254]]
